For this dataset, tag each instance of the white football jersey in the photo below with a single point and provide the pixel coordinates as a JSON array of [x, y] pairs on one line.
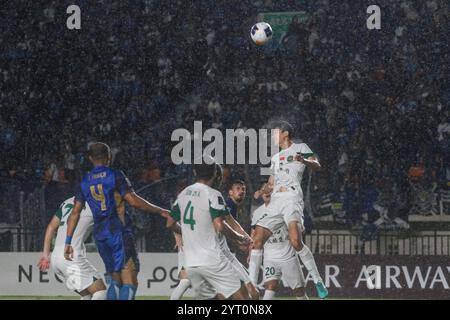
[[277, 247], [81, 233], [287, 172], [195, 208]]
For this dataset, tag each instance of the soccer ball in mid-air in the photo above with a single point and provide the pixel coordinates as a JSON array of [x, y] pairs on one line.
[[261, 33]]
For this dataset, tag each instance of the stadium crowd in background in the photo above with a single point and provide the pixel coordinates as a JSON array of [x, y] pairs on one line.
[[374, 105]]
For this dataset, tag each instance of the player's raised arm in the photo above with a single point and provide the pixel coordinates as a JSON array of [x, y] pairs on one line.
[[72, 223], [223, 227], [310, 161], [308, 158], [52, 227], [231, 221]]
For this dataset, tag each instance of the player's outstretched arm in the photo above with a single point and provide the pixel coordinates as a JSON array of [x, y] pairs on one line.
[[223, 227], [72, 223], [235, 225], [238, 228], [140, 203], [311, 162], [44, 261]]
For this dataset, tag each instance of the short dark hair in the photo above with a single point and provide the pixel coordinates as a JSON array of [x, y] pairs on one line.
[[234, 182], [283, 126], [99, 150], [207, 171]]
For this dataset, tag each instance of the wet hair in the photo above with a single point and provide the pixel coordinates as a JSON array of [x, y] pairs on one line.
[[99, 151], [283, 126], [207, 171]]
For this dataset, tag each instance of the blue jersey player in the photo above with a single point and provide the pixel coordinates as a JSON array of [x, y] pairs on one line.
[[106, 190]]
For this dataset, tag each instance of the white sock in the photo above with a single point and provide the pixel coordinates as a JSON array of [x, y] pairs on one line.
[[86, 297], [308, 260], [269, 295], [256, 256], [178, 292], [99, 295], [305, 297]]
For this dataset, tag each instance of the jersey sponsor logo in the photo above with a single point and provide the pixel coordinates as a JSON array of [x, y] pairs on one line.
[[220, 200], [290, 159], [99, 175]]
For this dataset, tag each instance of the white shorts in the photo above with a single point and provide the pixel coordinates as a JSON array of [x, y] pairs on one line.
[[207, 281], [78, 275], [284, 207], [289, 271], [239, 268]]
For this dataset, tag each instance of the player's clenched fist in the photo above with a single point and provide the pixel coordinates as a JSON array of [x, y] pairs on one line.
[[68, 252], [165, 213], [299, 157]]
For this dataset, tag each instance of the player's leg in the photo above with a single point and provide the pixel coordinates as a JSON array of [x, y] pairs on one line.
[[260, 237], [292, 276], [241, 294], [129, 279], [182, 286], [112, 293], [81, 277], [252, 291], [292, 209], [295, 229], [222, 277], [272, 275], [90, 280], [243, 275], [96, 291], [105, 250], [130, 270], [64, 271], [201, 288], [271, 287]]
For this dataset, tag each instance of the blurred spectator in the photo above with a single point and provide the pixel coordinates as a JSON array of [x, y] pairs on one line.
[[367, 102]]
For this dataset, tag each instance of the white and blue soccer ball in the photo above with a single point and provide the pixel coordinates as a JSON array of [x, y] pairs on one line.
[[261, 33]]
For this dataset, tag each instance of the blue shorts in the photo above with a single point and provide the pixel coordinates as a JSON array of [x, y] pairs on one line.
[[116, 250]]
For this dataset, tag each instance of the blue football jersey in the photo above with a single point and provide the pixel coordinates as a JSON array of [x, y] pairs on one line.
[[103, 189]]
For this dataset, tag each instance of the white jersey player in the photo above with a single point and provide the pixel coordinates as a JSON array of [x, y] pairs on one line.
[[200, 210], [240, 270], [79, 275], [280, 259], [286, 202]]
